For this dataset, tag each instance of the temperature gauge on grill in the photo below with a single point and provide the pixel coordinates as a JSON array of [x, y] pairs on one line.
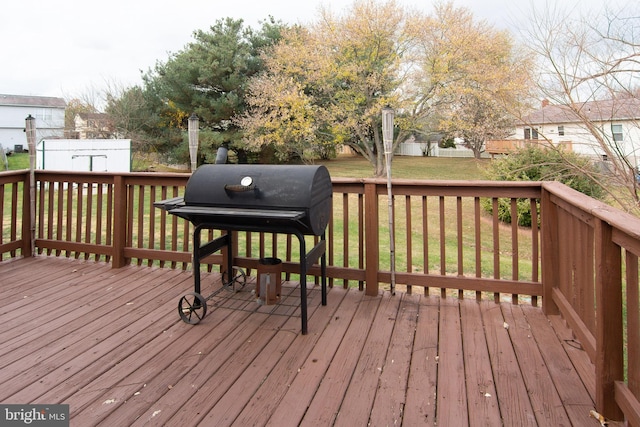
[[246, 181]]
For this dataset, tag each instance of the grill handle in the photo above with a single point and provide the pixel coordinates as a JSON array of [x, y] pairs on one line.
[[239, 188]]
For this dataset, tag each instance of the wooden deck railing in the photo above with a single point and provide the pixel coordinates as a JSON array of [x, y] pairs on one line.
[[504, 146], [15, 236], [582, 261], [590, 275]]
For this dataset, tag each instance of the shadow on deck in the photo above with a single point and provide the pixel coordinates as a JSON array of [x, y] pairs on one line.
[[109, 342]]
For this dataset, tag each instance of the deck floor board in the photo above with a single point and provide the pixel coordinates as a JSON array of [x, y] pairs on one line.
[[481, 391], [110, 344]]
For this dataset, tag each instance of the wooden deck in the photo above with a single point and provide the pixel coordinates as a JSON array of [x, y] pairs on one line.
[[109, 343]]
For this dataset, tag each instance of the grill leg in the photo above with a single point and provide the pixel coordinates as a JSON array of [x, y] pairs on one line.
[[303, 279], [323, 272], [230, 274], [196, 260], [303, 283]]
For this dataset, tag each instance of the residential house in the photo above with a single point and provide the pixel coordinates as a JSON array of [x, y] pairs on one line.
[[93, 126], [14, 109], [617, 121]]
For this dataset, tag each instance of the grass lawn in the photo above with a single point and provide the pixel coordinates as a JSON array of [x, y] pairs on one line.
[[356, 167], [18, 161], [410, 167]]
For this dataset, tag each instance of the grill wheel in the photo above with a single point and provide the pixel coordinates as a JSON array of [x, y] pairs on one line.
[[238, 281], [192, 308]]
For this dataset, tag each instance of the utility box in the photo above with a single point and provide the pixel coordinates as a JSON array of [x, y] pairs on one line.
[[269, 282]]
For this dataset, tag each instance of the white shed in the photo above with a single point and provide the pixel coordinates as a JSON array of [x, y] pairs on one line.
[[89, 155]]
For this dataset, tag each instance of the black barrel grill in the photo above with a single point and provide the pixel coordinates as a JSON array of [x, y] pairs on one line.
[[265, 198]]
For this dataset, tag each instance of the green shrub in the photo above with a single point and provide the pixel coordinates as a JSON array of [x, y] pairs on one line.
[[504, 210], [539, 164], [447, 143]]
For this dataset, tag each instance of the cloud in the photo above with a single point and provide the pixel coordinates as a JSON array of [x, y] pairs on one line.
[[62, 47]]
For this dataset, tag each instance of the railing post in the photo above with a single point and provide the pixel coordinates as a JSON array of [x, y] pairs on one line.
[[119, 221], [27, 248], [609, 335], [372, 240], [550, 251]]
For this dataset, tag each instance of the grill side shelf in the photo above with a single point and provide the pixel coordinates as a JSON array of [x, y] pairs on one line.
[[235, 213], [169, 204]]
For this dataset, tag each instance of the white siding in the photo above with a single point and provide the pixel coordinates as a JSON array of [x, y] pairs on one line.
[[583, 142], [49, 123]]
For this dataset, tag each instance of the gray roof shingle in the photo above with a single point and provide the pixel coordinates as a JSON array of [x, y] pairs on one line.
[[32, 101], [596, 111]]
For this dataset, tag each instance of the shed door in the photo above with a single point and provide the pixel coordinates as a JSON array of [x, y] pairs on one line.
[[89, 163]]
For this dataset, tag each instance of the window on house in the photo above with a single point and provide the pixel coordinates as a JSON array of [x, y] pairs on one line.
[[527, 133], [44, 114], [534, 133], [560, 130], [616, 130]]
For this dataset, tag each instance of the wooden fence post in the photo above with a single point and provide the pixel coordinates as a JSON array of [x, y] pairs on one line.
[[27, 244], [372, 240], [550, 259], [119, 221], [609, 335]]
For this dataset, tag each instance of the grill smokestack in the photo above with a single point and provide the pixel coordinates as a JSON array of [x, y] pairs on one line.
[[221, 156]]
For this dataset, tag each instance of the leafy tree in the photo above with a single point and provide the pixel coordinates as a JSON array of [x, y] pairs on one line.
[[284, 116], [478, 75], [326, 85], [209, 78]]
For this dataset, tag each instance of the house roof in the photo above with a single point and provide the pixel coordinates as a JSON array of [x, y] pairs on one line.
[[32, 101], [596, 111]]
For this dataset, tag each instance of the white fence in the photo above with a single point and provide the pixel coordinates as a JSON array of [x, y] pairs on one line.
[[420, 149], [414, 149]]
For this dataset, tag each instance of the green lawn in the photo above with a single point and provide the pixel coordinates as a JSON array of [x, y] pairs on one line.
[[356, 167], [18, 161], [410, 167]]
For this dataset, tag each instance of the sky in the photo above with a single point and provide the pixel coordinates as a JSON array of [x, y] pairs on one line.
[[73, 48]]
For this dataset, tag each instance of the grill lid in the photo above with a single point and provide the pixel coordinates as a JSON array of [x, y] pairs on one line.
[[270, 186], [269, 195]]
